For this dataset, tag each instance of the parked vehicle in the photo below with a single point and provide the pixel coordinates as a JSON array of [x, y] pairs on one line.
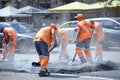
[[110, 26], [116, 18], [24, 36]]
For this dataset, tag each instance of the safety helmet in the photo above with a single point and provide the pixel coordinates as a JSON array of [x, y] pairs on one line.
[[52, 25], [79, 16]]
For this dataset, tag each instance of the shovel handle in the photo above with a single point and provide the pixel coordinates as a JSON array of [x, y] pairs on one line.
[[51, 49], [37, 64], [74, 57]]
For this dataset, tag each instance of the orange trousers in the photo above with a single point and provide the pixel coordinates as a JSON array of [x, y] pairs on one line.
[[43, 62]]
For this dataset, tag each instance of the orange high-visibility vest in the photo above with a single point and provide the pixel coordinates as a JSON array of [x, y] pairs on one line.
[[85, 30], [63, 37], [12, 34], [100, 35], [61, 33], [45, 34]]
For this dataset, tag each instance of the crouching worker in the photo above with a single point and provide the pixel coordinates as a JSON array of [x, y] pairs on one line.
[[43, 40], [8, 43]]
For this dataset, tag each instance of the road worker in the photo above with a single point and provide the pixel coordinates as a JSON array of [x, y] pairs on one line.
[[84, 35], [43, 40], [8, 43], [99, 37], [62, 37]]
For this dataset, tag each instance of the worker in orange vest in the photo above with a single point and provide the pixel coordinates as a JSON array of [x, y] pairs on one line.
[[84, 36], [99, 37], [62, 37], [8, 43], [43, 40]]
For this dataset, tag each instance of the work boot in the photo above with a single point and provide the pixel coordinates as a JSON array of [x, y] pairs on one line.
[[83, 60], [43, 73], [99, 59], [2, 59], [89, 60], [10, 57]]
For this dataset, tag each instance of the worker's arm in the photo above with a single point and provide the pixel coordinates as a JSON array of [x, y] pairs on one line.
[[54, 39]]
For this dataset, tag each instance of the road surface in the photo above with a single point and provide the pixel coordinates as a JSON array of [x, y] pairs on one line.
[[21, 67]]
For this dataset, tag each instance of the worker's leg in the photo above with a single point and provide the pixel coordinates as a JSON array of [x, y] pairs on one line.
[[79, 52], [10, 57], [42, 50], [64, 50], [64, 44], [87, 50], [88, 55], [4, 50], [80, 55], [11, 52], [99, 51]]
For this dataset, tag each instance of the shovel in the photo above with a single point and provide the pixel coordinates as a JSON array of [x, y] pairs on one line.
[[71, 62]]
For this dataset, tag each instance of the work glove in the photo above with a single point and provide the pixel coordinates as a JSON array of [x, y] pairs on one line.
[[76, 29], [75, 41], [55, 44]]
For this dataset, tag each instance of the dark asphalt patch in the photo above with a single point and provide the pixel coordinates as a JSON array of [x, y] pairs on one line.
[[26, 67], [103, 66]]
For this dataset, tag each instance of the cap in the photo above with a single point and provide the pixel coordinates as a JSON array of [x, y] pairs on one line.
[[79, 16], [53, 26]]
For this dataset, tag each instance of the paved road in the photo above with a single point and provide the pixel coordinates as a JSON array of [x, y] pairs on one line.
[[112, 54], [19, 68], [28, 76]]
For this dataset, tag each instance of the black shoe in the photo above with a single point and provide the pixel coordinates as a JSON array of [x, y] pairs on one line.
[[36, 64], [44, 73]]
